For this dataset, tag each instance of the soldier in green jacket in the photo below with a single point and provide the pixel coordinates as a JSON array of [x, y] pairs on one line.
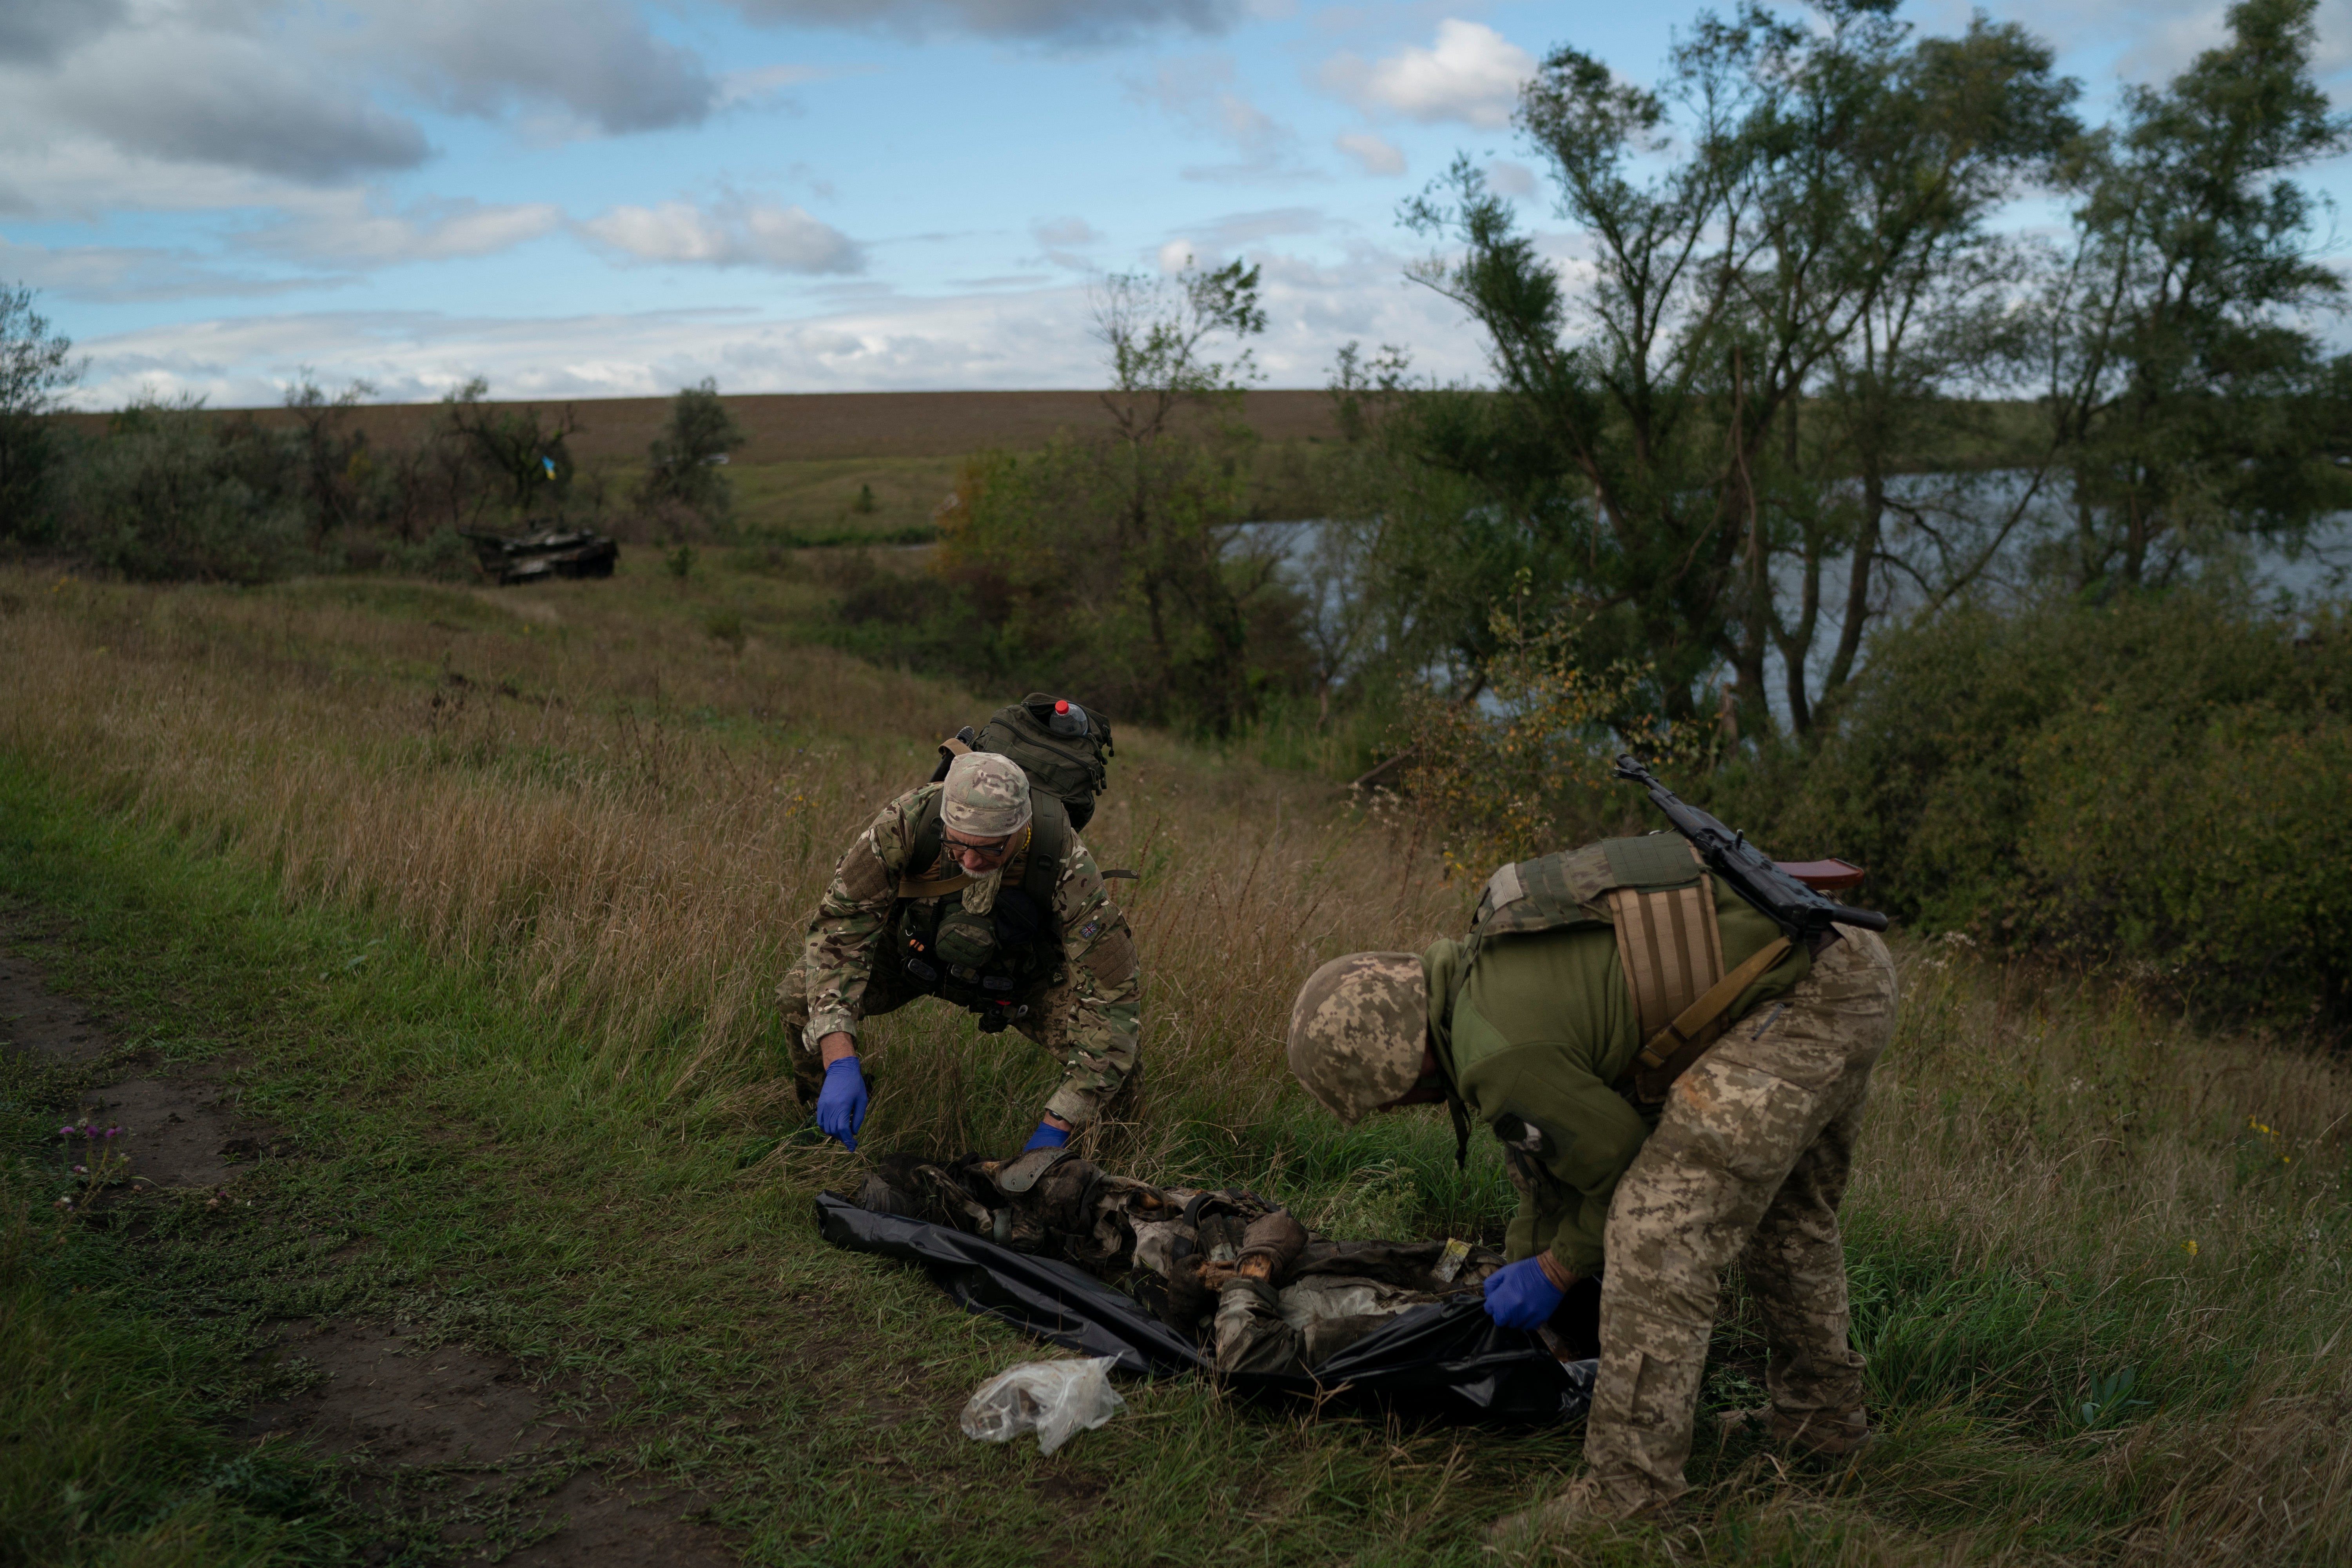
[[1538, 1025], [976, 890]]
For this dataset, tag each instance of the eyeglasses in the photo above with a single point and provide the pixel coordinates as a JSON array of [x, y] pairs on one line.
[[995, 851]]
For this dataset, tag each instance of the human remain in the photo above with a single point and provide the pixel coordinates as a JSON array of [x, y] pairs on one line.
[[976, 890], [1676, 1085]]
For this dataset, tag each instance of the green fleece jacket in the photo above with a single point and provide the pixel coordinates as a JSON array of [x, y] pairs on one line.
[[1538, 1030]]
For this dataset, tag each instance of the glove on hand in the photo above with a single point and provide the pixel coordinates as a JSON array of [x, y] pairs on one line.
[[1047, 1136], [841, 1103], [1521, 1294]]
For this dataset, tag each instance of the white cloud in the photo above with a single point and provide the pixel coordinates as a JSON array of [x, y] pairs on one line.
[[122, 273], [1511, 179], [1203, 94], [763, 87], [736, 232], [1177, 254], [187, 97], [1471, 73], [1064, 241], [1077, 22], [347, 228], [1267, 223], [980, 342], [317, 91], [596, 59], [1378, 154], [1066, 232]]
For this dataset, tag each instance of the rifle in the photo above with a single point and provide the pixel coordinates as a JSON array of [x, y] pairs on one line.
[[1802, 914]]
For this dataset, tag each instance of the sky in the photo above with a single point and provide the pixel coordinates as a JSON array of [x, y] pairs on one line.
[[584, 198]]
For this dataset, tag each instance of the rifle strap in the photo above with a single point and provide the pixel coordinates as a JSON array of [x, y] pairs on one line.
[[1674, 1049]]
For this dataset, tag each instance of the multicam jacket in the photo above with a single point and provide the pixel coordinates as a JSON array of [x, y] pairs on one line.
[[1091, 1004]]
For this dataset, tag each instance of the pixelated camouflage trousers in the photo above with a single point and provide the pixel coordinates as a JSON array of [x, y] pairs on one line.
[[1086, 1086], [1750, 1162]]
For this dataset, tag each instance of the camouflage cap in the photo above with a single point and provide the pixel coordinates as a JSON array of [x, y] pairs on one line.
[[1358, 1030], [987, 796]]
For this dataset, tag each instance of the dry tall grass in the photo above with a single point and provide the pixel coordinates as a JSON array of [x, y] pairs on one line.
[[575, 786]]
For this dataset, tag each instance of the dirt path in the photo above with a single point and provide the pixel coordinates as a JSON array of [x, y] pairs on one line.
[[413, 1421]]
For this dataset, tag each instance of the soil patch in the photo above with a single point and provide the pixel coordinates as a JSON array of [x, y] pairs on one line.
[[461, 1433]]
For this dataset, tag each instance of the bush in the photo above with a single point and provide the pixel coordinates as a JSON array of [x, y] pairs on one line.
[[683, 484], [173, 494], [2149, 782]]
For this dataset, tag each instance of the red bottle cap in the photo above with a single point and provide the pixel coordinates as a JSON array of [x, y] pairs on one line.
[[1062, 707]]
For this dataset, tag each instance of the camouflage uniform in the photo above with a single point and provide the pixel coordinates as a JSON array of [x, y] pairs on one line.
[[1087, 1011], [1749, 1161]]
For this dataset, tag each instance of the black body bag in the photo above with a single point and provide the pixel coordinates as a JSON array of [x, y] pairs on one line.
[[1446, 1359]]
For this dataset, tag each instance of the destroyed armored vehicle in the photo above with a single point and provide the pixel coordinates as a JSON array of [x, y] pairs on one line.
[[547, 553], [1177, 1279]]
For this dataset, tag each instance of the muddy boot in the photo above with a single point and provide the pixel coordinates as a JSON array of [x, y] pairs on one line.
[[1586, 1501], [1824, 1435]]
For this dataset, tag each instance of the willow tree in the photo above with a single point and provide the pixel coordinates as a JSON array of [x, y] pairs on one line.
[[1776, 220]]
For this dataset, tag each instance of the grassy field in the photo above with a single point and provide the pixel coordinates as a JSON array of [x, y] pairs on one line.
[[482, 894], [829, 427], [809, 454]]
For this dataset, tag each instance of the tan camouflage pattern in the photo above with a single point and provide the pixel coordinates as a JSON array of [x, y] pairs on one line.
[[1750, 1162], [985, 797], [1358, 1031], [1088, 1014]]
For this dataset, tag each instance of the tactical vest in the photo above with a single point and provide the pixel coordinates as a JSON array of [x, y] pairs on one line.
[[1658, 895], [994, 963]]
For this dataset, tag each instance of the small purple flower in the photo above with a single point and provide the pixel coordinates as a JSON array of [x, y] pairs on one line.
[[66, 1132], [81, 1170], [113, 1131]]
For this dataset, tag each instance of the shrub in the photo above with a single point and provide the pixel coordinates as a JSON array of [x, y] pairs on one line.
[[174, 494], [683, 483], [1523, 765], [2148, 782]]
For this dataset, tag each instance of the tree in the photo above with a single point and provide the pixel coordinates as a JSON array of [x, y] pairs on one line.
[[2187, 396], [1175, 414], [1786, 194], [36, 368], [1120, 562], [682, 466], [332, 455], [523, 449]]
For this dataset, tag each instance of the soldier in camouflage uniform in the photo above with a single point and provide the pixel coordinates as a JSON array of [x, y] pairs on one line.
[[1536, 1035], [1006, 914]]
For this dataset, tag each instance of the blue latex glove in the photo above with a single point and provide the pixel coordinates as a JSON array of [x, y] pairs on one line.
[[1522, 1295], [841, 1103], [1047, 1136]]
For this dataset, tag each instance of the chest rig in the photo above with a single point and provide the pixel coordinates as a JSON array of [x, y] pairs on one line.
[[991, 964]]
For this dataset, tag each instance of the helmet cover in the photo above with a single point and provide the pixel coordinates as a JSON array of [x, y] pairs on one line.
[[987, 796], [1358, 1031]]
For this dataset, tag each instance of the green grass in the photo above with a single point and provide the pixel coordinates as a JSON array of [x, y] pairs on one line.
[[636, 1261], [817, 501], [484, 1167]]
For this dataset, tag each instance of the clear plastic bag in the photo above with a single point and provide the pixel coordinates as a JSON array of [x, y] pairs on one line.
[[1055, 1399]]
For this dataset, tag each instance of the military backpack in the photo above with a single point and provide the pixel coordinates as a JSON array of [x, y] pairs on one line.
[[1064, 750]]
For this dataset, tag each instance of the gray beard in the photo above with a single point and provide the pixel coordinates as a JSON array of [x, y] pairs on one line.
[[979, 894]]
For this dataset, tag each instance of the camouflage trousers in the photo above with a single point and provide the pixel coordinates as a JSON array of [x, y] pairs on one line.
[[1750, 1162], [1090, 1088]]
